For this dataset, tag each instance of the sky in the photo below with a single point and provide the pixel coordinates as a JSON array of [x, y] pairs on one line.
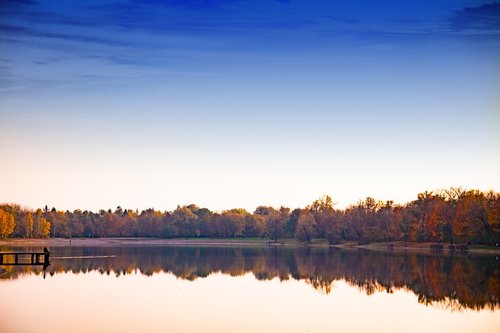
[[227, 103]]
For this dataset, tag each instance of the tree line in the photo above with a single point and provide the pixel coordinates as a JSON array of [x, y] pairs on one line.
[[455, 215]]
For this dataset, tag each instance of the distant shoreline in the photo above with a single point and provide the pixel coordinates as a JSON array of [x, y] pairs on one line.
[[287, 242]]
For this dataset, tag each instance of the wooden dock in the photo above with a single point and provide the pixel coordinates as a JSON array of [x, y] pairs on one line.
[[25, 258]]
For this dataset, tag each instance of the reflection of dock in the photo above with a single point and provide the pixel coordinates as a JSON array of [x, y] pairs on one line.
[[26, 258]]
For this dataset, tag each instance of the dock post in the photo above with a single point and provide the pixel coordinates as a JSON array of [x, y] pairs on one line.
[[46, 256]]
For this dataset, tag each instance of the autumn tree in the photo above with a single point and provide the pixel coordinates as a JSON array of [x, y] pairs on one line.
[[385, 219], [204, 215], [493, 215], [322, 210], [291, 223], [18, 213], [361, 221], [44, 228], [305, 227], [7, 224], [185, 221], [151, 222], [228, 224], [420, 211], [24, 224], [476, 218], [275, 220], [60, 223], [28, 218], [254, 226]]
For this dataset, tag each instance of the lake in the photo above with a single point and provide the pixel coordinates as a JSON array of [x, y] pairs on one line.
[[250, 289]]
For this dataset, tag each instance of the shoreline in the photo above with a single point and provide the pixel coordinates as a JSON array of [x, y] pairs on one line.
[[398, 246]]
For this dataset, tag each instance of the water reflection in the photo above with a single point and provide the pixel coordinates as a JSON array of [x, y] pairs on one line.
[[456, 282]]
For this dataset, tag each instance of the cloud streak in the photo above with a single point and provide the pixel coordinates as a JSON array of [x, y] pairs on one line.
[[23, 31], [484, 19], [200, 35]]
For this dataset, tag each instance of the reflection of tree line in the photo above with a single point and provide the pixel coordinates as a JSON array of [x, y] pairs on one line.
[[457, 281]]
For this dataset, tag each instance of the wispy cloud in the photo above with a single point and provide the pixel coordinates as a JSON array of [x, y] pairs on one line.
[[203, 4], [18, 2], [482, 19], [198, 35], [19, 30]]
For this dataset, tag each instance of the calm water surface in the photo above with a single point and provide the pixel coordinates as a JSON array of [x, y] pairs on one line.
[[225, 289]]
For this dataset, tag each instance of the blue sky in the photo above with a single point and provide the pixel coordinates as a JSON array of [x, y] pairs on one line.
[[240, 103]]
